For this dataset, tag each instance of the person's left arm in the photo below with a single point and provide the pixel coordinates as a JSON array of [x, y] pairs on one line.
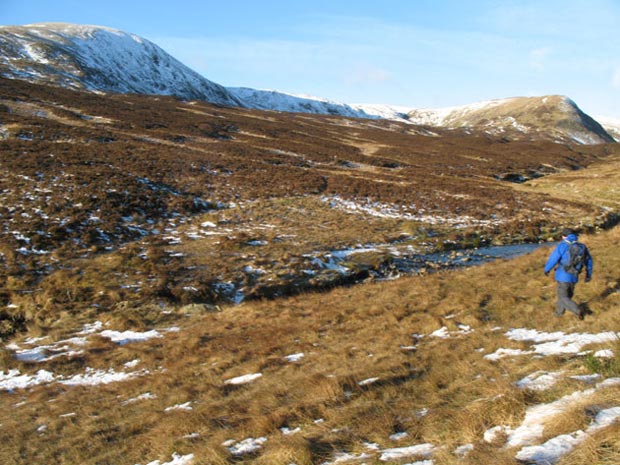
[[553, 259], [589, 266]]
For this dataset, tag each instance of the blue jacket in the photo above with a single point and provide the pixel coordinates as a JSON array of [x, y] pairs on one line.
[[560, 257]]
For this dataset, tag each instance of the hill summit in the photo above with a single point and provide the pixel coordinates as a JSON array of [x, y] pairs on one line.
[[98, 58], [554, 117]]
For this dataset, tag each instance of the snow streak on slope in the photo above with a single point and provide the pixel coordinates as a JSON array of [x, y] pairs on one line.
[[100, 59]]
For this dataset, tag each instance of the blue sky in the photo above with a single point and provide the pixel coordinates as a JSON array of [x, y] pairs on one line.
[[415, 53]]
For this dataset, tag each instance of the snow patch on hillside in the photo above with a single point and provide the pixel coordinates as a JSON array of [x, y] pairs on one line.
[[527, 437], [405, 212]]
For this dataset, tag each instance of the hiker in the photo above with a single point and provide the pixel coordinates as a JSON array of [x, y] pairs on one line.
[[569, 258]]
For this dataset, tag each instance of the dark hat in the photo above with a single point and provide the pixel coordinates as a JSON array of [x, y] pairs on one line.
[[568, 232]]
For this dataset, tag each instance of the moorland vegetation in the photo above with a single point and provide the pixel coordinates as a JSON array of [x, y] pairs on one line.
[[220, 233], [128, 198]]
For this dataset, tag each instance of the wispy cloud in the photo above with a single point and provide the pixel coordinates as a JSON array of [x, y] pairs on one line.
[[576, 19], [538, 58], [368, 74]]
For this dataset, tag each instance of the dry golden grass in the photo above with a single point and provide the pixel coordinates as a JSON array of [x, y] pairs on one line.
[[598, 186], [348, 335], [602, 448]]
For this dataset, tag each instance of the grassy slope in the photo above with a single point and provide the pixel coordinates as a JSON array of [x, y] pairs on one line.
[[598, 185], [347, 335]]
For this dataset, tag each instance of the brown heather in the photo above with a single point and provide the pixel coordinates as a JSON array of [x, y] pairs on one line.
[[149, 158]]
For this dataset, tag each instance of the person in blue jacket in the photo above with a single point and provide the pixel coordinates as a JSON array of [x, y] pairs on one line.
[[566, 280]]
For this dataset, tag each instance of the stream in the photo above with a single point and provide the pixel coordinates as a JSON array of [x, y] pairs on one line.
[[339, 267], [416, 263]]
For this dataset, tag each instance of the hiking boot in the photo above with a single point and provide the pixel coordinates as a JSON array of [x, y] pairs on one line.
[[584, 310]]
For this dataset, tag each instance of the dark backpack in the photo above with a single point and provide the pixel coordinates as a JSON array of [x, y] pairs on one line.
[[577, 257]]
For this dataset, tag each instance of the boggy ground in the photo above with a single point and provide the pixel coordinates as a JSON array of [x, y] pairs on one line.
[[110, 202]]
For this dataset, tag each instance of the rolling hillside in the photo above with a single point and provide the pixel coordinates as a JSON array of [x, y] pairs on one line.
[[221, 204], [544, 118], [107, 60]]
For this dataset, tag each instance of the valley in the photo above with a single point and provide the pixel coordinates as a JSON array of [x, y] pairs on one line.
[[177, 288], [135, 198]]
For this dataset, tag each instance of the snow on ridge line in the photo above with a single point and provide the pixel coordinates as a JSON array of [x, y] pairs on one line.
[[440, 116], [289, 102], [45, 29], [146, 68], [103, 59]]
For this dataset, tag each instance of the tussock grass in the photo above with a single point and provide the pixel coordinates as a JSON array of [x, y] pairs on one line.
[[601, 448], [347, 335]]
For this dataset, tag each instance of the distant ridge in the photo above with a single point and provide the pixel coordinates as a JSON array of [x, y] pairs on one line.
[[280, 101], [552, 117], [97, 58]]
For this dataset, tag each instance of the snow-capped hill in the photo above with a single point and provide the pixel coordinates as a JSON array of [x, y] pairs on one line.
[[100, 59], [281, 101], [286, 102], [553, 117], [611, 125], [391, 112]]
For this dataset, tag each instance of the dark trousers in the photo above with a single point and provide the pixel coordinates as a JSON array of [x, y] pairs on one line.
[[565, 299]]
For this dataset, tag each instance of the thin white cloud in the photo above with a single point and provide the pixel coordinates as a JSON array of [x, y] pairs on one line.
[[538, 58], [369, 74], [583, 19]]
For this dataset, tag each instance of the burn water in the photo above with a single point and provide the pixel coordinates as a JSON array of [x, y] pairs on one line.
[[416, 263]]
